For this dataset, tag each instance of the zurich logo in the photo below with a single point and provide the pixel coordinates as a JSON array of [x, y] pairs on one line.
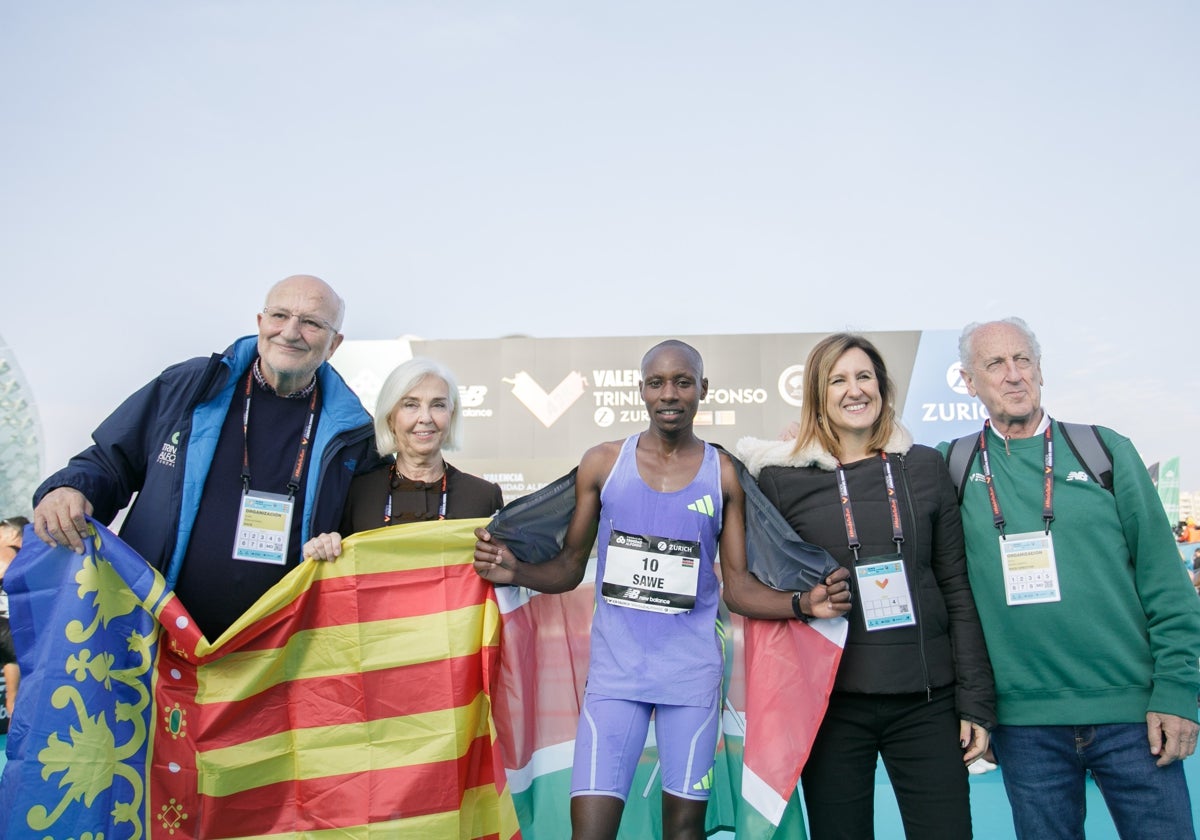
[[954, 379]]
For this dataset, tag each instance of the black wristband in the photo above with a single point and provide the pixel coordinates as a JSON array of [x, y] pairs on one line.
[[796, 608]]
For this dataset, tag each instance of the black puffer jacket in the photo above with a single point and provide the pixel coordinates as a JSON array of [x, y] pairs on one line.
[[946, 646]]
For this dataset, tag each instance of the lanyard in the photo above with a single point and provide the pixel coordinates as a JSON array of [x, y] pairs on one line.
[[305, 440], [852, 541], [1047, 478], [392, 479]]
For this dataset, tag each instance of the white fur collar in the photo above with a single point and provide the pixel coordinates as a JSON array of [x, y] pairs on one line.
[[756, 453]]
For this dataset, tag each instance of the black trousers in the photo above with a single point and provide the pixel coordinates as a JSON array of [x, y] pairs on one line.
[[918, 739]]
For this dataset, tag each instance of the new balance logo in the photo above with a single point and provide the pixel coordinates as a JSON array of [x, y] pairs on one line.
[[1077, 475], [706, 782], [704, 505]]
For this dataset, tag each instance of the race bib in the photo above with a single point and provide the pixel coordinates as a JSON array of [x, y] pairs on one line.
[[651, 573]]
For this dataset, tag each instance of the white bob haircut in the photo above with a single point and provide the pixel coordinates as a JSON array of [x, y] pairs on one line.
[[398, 385]]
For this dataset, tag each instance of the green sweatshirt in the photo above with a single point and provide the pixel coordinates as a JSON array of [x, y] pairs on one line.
[[1125, 638]]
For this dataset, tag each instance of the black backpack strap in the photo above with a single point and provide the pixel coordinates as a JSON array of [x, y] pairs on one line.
[[958, 460], [1089, 448]]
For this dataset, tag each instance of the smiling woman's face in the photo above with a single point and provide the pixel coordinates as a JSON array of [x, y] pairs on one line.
[[852, 402], [420, 419]]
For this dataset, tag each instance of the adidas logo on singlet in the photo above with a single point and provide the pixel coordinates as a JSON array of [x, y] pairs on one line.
[[703, 505]]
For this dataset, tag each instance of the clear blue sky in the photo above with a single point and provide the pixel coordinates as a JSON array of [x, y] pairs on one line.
[[482, 169]]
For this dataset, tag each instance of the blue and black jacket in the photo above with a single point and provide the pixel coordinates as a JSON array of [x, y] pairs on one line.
[[159, 445]]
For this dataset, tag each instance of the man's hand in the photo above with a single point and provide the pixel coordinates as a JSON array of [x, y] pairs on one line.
[[59, 518], [1172, 738], [323, 547], [494, 562], [830, 598]]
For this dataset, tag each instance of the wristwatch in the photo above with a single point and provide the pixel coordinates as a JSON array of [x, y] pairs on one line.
[[796, 608]]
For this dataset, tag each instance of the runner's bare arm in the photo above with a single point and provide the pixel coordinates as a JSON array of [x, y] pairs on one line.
[[495, 561]]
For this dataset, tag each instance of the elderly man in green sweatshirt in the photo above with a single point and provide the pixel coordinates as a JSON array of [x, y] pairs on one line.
[[1092, 627]]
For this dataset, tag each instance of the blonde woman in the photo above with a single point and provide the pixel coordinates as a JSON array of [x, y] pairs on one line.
[[915, 684]]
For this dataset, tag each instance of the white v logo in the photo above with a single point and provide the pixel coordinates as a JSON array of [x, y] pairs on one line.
[[547, 407]]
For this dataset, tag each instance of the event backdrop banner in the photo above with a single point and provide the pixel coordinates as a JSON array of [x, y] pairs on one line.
[[532, 406]]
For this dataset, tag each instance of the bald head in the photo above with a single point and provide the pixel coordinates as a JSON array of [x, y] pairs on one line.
[[313, 290], [683, 348]]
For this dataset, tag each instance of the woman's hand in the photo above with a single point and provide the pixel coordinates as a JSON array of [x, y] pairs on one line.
[[494, 562], [974, 740], [830, 598], [323, 547]]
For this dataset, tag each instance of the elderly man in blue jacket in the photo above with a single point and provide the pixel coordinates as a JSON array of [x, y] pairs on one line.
[[236, 459]]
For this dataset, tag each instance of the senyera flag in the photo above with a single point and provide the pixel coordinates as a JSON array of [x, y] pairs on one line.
[[352, 701]]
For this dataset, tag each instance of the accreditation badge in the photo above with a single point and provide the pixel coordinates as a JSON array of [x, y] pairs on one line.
[[883, 592], [264, 527], [1030, 571], [651, 573]]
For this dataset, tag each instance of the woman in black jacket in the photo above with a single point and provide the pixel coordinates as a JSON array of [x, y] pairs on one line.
[[417, 417], [915, 684]]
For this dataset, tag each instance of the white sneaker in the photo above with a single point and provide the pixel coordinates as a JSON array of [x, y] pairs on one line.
[[980, 766]]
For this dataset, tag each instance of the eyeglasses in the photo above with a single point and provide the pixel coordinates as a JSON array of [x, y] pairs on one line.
[[309, 324]]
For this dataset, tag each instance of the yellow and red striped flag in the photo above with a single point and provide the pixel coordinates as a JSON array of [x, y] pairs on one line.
[[352, 701]]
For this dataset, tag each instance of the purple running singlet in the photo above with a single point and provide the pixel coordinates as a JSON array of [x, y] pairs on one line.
[[654, 633]]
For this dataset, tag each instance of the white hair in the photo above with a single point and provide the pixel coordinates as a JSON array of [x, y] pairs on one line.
[[965, 353], [399, 383]]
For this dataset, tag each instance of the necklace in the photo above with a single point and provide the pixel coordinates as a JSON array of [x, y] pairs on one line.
[[395, 477]]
